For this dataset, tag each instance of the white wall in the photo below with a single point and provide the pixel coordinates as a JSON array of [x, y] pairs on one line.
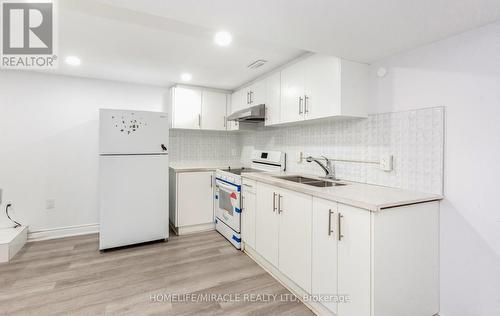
[[463, 74], [49, 142]]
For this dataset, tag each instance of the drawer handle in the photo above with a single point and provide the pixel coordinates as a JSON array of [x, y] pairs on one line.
[[340, 227], [279, 204], [330, 231]]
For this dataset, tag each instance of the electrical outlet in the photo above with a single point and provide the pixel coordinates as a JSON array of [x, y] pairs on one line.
[[386, 162], [50, 204]]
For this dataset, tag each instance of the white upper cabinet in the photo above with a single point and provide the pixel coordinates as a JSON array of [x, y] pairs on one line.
[[186, 108], [239, 100], [257, 93], [251, 95], [273, 99], [322, 87], [195, 108], [292, 93], [213, 110]]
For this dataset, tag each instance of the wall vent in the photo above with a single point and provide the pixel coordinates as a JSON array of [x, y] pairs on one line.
[[256, 64]]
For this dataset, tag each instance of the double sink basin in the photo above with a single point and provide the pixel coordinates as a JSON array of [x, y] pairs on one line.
[[311, 181]]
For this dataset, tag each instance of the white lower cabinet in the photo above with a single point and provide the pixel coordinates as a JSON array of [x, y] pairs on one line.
[[325, 250], [341, 256], [283, 232], [267, 223], [248, 213], [294, 249], [191, 201], [383, 263]]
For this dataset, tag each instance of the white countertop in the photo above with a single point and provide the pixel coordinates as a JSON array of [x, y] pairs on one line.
[[193, 167], [366, 196]]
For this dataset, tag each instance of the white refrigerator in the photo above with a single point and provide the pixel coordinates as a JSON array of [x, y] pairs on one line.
[[133, 177]]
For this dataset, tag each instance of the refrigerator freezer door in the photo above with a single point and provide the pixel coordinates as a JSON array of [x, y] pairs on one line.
[[133, 199], [132, 132]]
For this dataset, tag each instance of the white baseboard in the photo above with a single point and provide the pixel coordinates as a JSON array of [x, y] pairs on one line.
[[53, 233]]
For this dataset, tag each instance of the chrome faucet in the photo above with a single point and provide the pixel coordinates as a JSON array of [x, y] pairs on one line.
[[328, 167]]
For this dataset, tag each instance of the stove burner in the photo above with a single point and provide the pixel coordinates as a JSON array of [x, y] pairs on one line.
[[239, 171]]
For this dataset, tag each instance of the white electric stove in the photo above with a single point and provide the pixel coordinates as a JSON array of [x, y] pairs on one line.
[[228, 192]]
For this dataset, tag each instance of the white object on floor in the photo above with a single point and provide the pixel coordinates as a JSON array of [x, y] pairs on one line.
[[11, 241]]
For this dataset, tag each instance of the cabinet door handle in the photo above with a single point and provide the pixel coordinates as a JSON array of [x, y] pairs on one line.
[[247, 185], [211, 181], [340, 227], [274, 201], [251, 97], [279, 204], [300, 105], [199, 120], [330, 231], [306, 109]]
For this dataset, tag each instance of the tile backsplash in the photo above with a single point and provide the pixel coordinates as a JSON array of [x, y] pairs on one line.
[[192, 147], [414, 138]]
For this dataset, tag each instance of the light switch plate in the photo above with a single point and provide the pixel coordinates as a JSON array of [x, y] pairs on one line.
[[386, 162]]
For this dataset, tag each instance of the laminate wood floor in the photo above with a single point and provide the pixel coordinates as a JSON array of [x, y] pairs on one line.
[[69, 276]]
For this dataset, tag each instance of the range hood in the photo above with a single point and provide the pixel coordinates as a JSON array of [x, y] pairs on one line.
[[256, 113]]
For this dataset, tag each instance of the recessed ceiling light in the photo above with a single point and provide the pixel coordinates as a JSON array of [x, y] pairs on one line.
[[223, 38], [73, 61], [186, 77]]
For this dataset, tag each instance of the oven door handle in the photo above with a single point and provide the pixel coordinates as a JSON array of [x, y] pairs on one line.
[[227, 187]]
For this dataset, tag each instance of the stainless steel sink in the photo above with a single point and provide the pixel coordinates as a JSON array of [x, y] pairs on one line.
[[311, 181], [324, 184]]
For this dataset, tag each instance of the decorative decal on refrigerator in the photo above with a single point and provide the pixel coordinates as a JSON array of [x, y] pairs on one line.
[[128, 123]]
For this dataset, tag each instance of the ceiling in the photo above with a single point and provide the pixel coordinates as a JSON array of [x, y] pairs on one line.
[[154, 41]]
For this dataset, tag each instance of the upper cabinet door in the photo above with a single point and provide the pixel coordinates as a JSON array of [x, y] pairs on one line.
[[239, 100], [213, 110], [273, 99], [257, 93], [292, 93], [186, 108], [322, 87]]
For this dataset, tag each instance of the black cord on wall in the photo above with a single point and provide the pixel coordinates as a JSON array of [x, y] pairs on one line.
[[7, 212]]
